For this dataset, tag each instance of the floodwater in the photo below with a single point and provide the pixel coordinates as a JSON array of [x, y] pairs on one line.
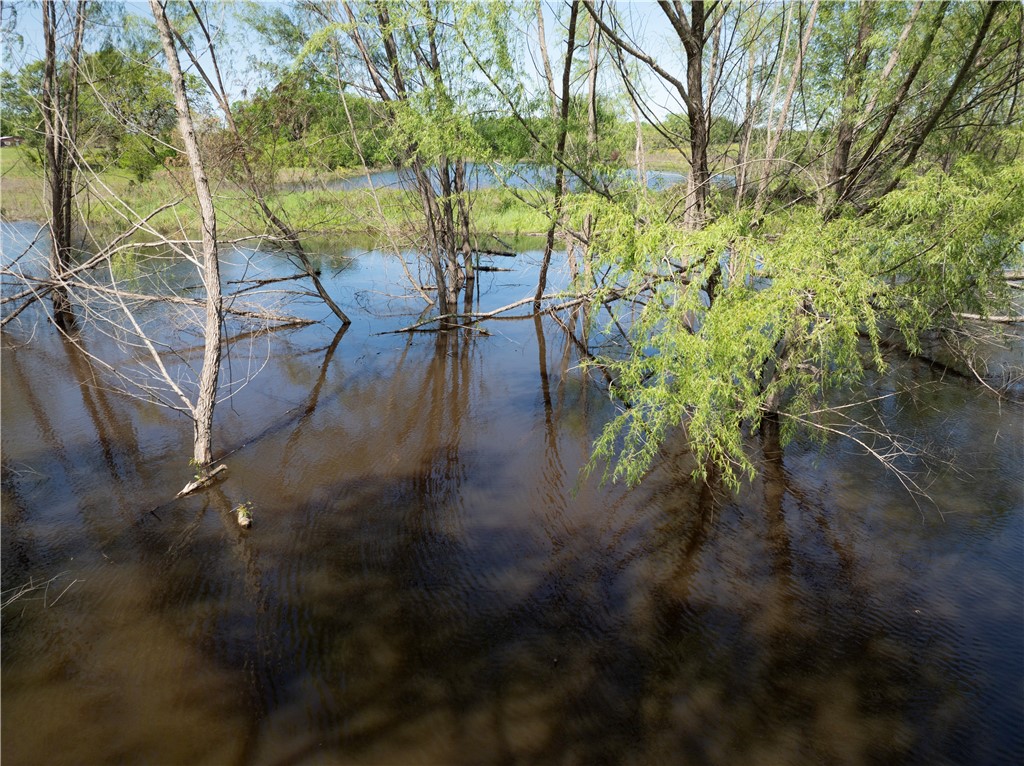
[[424, 582], [479, 176]]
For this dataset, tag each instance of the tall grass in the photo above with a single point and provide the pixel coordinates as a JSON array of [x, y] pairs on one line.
[[112, 199]]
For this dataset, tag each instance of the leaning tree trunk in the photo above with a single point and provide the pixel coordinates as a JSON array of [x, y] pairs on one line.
[[464, 235], [202, 412], [287, 232]]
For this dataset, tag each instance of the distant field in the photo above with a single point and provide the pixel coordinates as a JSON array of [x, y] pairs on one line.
[[21, 190], [22, 197], [673, 159]]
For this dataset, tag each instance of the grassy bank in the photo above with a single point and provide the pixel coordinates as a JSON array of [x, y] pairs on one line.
[[111, 198], [21, 186], [721, 156]]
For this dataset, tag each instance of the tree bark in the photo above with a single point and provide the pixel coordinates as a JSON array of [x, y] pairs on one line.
[[691, 34], [854, 75], [463, 213], [59, 107], [202, 412], [549, 75], [563, 131], [593, 41], [773, 142]]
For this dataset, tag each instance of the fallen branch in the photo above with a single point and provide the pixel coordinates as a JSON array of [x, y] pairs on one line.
[[263, 315], [446, 328], [574, 300], [201, 482], [1000, 319], [477, 317], [253, 283], [32, 294]]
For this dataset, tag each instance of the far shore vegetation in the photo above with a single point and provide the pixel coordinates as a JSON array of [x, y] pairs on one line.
[[312, 210]]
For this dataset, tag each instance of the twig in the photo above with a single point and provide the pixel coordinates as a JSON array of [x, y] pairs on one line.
[[54, 602], [31, 585], [264, 315]]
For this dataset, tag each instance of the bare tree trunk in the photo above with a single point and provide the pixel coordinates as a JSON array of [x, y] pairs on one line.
[[563, 126], [202, 412], [454, 275], [894, 57], [641, 157], [593, 41], [748, 127], [463, 209], [289, 234], [549, 75], [713, 68], [773, 142], [60, 124], [854, 74], [691, 33]]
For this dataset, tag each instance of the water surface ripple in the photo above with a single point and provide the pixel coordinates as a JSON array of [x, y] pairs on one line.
[[426, 583]]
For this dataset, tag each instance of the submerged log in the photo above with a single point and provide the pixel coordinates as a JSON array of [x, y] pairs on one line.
[[501, 253]]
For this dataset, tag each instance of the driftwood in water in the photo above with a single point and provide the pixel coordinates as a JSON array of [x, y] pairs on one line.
[[201, 482]]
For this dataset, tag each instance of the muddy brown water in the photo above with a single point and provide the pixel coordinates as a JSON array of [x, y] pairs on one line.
[[425, 583]]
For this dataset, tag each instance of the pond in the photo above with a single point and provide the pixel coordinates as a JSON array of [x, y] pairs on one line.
[[427, 579]]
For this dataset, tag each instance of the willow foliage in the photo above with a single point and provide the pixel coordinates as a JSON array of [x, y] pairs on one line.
[[750, 316]]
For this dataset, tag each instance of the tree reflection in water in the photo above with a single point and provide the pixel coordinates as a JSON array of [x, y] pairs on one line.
[[425, 582]]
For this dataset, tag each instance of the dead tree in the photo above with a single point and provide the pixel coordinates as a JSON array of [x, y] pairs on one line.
[[563, 131], [209, 268], [216, 86], [59, 106]]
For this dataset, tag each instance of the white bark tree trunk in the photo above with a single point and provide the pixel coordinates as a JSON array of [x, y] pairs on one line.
[[202, 411]]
